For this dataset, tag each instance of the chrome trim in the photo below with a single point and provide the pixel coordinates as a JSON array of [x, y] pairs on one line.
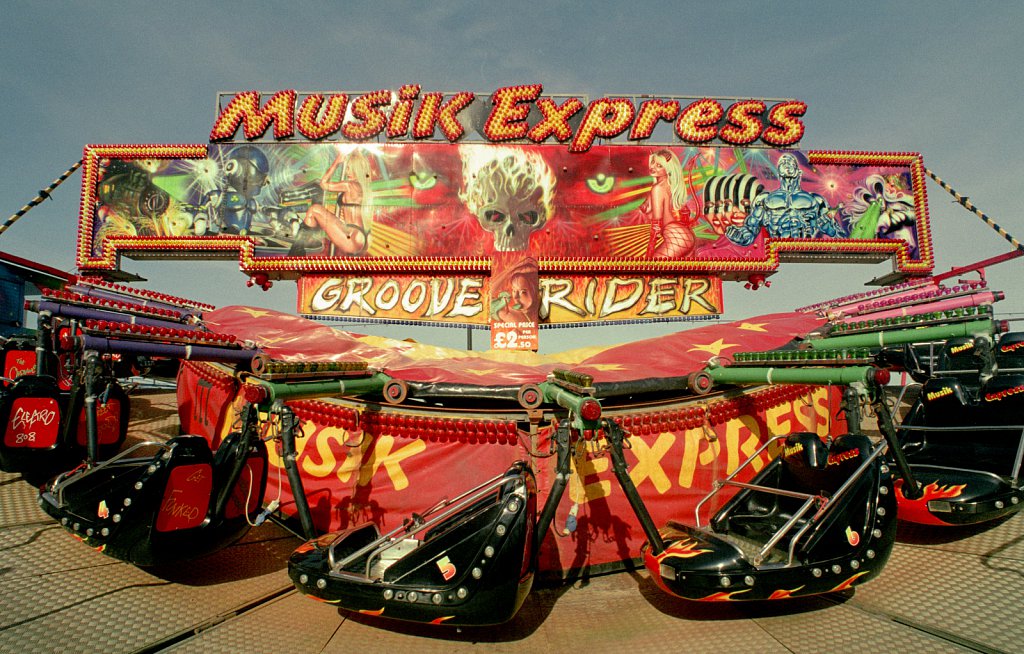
[[418, 523], [61, 483]]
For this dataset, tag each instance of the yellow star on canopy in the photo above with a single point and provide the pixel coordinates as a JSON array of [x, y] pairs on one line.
[[255, 313], [271, 340], [608, 366], [713, 348], [483, 372], [753, 326]]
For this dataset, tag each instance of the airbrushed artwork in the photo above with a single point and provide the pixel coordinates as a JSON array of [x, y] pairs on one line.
[[292, 209], [633, 204]]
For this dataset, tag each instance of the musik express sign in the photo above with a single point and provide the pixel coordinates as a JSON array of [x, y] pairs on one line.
[[512, 113]]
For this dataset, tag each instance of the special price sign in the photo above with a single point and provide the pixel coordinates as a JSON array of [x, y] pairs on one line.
[[514, 301], [514, 335]]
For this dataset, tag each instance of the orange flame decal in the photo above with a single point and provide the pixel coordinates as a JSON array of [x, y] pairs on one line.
[[379, 611], [932, 491], [308, 546], [850, 582], [723, 596], [782, 593], [683, 549], [441, 619], [917, 510]]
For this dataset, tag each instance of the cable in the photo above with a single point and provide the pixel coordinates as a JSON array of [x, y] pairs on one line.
[[44, 194], [276, 502], [966, 203]]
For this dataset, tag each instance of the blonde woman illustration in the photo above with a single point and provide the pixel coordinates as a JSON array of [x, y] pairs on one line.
[[347, 226], [666, 209]]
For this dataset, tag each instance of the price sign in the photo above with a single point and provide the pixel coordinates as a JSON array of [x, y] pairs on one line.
[[514, 336]]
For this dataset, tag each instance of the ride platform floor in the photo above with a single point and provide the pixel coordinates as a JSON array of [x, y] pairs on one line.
[[944, 590]]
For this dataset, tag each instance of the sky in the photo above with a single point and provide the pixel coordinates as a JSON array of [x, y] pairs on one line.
[[941, 78]]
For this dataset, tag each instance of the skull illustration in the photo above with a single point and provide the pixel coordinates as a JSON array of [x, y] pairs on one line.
[[509, 192]]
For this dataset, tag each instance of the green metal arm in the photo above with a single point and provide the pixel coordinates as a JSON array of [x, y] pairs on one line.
[[767, 375], [394, 390], [585, 409], [986, 327]]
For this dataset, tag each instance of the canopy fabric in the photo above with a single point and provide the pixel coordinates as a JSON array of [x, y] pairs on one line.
[[291, 338]]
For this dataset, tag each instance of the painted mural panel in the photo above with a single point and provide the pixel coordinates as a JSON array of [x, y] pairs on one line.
[[287, 209]]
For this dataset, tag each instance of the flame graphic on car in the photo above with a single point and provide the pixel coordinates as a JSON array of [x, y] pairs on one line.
[[782, 593], [683, 549], [723, 596], [850, 582], [930, 492], [917, 510]]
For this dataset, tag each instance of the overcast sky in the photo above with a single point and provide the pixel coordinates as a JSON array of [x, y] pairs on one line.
[[938, 77]]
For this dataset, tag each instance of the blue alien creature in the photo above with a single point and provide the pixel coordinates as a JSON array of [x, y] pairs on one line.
[[233, 207], [789, 212]]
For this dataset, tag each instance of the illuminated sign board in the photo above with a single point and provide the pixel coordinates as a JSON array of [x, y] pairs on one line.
[[513, 113], [384, 189], [288, 210]]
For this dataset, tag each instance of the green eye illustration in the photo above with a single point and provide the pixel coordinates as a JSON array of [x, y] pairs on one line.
[[601, 183], [422, 181]]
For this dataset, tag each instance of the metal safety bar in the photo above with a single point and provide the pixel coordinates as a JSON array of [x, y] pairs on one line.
[[419, 523], [809, 500], [784, 529], [967, 371], [61, 483], [727, 480], [822, 510]]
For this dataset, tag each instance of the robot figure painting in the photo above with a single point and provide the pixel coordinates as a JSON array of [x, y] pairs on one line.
[[788, 212]]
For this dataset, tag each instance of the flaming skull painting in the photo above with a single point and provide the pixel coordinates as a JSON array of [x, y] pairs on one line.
[[509, 191]]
